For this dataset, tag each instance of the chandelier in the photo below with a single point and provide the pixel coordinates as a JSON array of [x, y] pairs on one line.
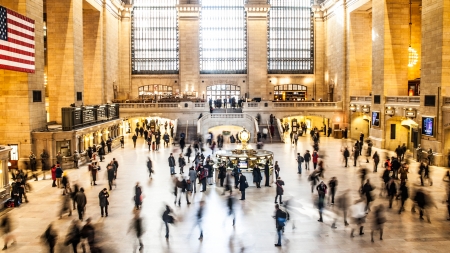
[[412, 57]]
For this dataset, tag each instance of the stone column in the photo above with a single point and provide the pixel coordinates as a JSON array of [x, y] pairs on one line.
[[257, 50], [390, 33], [189, 54], [65, 54], [20, 115], [435, 68], [124, 86], [92, 56]]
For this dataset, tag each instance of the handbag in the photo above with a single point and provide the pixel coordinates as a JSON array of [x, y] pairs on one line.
[[246, 184]]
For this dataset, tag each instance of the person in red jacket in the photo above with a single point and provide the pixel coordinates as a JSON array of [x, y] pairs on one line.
[[53, 170], [315, 158]]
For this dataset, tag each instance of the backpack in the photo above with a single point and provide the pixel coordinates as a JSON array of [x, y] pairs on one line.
[[282, 219], [301, 159]]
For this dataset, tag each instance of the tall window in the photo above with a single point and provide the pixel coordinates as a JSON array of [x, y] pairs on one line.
[[223, 37], [291, 37], [154, 37]]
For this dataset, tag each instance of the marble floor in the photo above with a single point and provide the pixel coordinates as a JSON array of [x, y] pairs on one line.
[[254, 230]]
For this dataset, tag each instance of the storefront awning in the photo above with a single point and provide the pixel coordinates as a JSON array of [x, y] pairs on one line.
[[409, 122]]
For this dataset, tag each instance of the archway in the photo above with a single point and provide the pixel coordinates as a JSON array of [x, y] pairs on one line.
[[398, 132]]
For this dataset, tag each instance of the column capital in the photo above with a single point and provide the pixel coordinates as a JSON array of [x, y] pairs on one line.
[[257, 10], [189, 11]]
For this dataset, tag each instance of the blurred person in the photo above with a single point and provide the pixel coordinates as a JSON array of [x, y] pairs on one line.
[[65, 206], [423, 201], [138, 228], [367, 191], [280, 222], [267, 174], [73, 193], [363, 175], [376, 161], [279, 190], [346, 155], [230, 204], [392, 191], [76, 158], [300, 160], [49, 237], [203, 176], [81, 200], [210, 176], [110, 172], [321, 190], [307, 158], [315, 158], [395, 166], [358, 216], [65, 183], [181, 162], [172, 164], [242, 185], [257, 178], [228, 184], [93, 170], [223, 173], [404, 195], [386, 178], [379, 219], [137, 196], [103, 201], [332, 184], [58, 174], [150, 167], [343, 203], [168, 219], [116, 167], [87, 233], [404, 172], [192, 176], [369, 150], [355, 153], [53, 171], [321, 169], [182, 188], [313, 178], [134, 138], [188, 153], [7, 228], [73, 236], [199, 216], [276, 168]]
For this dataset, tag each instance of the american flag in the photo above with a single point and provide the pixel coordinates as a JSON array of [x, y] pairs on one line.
[[16, 41]]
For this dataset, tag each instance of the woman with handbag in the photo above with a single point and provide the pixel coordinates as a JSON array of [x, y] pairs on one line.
[[280, 190]]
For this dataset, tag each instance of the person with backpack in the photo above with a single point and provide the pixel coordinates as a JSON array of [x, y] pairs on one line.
[[280, 222], [280, 190], [300, 160]]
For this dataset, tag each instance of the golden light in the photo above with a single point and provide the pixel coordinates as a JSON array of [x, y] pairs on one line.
[[412, 57]]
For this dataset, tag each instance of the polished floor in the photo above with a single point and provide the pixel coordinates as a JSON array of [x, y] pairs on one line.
[[254, 230]]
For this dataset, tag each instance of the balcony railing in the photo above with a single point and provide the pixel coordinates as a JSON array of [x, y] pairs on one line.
[[410, 100], [361, 99]]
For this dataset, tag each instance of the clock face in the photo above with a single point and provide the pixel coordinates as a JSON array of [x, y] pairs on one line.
[[245, 136]]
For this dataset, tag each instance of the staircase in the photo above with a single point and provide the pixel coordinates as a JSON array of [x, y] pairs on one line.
[[190, 132], [276, 135]]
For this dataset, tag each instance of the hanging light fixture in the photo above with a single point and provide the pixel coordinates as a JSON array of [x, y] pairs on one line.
[[412, 53]]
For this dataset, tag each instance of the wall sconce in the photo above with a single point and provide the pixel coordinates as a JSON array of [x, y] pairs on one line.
[[389, 111], [365, 108], [352, 107]]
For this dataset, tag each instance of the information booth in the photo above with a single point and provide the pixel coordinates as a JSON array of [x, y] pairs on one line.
[[245, 159]]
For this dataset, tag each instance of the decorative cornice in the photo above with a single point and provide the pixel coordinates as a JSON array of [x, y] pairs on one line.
[[257, 11]]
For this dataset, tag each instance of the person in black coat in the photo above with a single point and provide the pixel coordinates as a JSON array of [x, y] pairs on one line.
[[392, 191], [267, 174], [257, 178], [103, 201], [111, 172], [242, 185], [74, 235], [137, 196], [367, 191], [280, 190], [222, 173]]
